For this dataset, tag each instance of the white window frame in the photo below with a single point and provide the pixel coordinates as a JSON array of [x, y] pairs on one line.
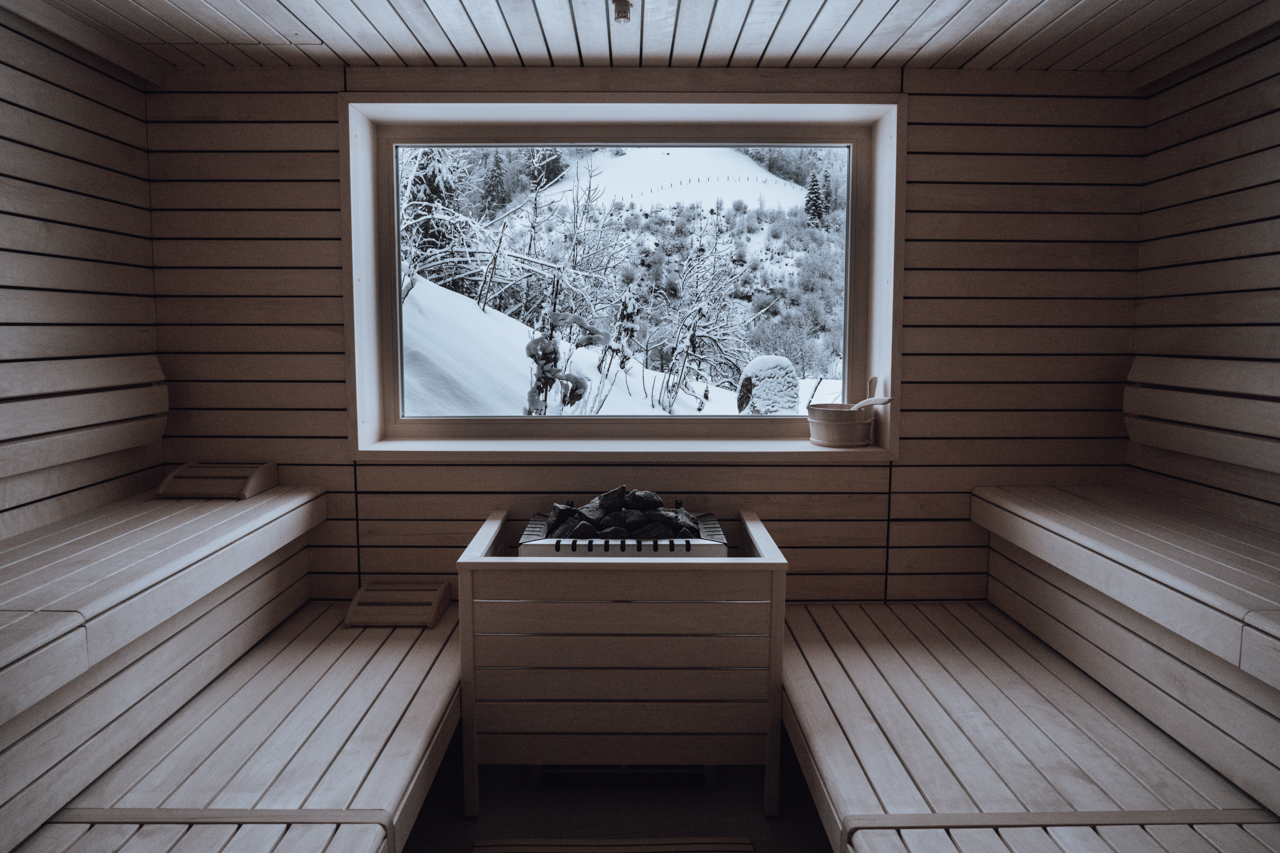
[[374, 124]]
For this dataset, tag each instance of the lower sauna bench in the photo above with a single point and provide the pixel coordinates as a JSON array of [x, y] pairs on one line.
[[320, 739], [949, 727]]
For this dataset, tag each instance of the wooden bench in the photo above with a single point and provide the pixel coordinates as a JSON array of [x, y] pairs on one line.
[[918, 723], [112, 619], [75, 592], [319, 738], [1166, 585]]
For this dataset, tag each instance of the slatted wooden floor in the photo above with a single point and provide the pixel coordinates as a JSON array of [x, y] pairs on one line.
[[920, 718]]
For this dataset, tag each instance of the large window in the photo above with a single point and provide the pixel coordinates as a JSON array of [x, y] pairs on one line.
[[617, 271], [620, 281]]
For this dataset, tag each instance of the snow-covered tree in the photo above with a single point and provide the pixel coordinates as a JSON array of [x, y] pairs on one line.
[[813, 204]]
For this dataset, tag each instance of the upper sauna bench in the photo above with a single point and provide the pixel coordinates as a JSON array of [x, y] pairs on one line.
[[74, 592]]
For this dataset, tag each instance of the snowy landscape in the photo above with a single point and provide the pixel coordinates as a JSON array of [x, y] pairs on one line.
[[621, 281]]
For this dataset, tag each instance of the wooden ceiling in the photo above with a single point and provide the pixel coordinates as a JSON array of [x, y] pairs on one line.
[[1060, 35]]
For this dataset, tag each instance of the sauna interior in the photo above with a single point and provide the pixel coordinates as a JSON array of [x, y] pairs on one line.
[[1040, 613]]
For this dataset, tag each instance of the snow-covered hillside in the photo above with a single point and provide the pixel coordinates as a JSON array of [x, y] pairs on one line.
[[665, 176], [460, 361]]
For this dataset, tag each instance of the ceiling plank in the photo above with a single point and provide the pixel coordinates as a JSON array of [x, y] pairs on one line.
[[282, 21], [1135, 22], [491, 26], [428, 32], [624, 37], [233, 56], [364, 32], [103, 43], [208, 18], [691, 32], [891, 28], [1000, 20], [333, 38], [860, 25], [203, 56], [460, 31], [268, 58], [161, 28], [797, 20], [658, 32], [171, 55], [522, 23], [722, 35], [828, 24], [560, 33], [244, 19], [592, 23], [323, 55], [921, 33], [1044, 14], [1215, 15], [388, 23], [756, 32], [1097, 19], [969, 18], [1246, 31], [107, 20], [291, 55]]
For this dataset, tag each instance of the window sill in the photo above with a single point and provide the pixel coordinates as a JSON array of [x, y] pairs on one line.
[[685, 451]]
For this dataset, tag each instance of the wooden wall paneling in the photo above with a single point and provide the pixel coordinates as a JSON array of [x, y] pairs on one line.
[[49, 64], [30, 92], [30, 128], [1209, 299], [38, 166], [83, 412], [1213, 178]]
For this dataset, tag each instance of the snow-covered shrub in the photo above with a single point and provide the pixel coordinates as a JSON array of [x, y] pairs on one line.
[[769, 386]]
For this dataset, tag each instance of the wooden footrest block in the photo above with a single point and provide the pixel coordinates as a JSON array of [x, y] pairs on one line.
[[413, 604]]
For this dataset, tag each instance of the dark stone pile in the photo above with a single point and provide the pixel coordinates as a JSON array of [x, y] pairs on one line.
[[620, 514]]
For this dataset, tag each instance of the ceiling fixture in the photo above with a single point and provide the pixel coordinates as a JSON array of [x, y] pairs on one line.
[[621, 11]]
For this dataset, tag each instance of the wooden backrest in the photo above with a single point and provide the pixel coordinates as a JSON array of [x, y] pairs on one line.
[[1214, 424], [77, 433]]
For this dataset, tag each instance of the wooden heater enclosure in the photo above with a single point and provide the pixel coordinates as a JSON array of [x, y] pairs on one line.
[[643, 660]]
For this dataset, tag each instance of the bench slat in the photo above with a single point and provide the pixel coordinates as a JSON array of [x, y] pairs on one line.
[[1020, 776], [892, 783], [380, 758], [1228, 566], [846, 784], [1198, 524], [1148, 674], [1117, 762], [1111, 723], [1173, 566], [323, 723], [929, 772], [1057, 766], [159, 764], [1179, 611], [983, 784]]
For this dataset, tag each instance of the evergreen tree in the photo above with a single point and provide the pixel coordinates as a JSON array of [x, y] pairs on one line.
[[493, 192], [813, 205], [828, 192]]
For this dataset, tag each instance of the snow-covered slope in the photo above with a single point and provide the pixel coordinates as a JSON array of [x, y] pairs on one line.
[[664, 176], [459, 360]]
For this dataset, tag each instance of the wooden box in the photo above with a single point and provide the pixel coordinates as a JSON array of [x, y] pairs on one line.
[[642, 660]]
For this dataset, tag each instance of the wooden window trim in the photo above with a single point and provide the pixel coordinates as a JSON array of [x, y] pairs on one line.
[[373, 124]]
